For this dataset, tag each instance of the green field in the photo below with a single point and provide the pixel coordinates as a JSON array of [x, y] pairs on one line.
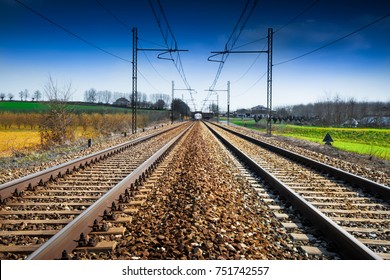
[[39, 107], [366, 141], [22, 107]]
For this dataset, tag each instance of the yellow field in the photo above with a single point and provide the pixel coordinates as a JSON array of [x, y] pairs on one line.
[[23, 140], [12, 140]]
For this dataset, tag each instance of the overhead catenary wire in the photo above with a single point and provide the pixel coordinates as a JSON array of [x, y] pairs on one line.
[[285, 25], [151, 64], [125, 25], [235, 28], [230, 44], [265, 37], [177, 62], [152, 43], [250, 67], [335, 41], [114, 16], [312, 4], [159, 24], [233, 39], [298, 15], [248, 89], [130, 29], [143, 76], [84, 40], [171, 44], [72, 33], [250, 43], [166, 20]]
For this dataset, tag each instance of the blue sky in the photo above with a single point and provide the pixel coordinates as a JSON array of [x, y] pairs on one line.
[[357, 67]]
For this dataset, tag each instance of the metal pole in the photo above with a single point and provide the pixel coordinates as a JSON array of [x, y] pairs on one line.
[[134, 80], [135, 90], [217, 107], [173, 92], [228, 102], [269, 83]]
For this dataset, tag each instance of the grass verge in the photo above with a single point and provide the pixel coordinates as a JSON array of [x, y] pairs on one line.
[[365, 141]]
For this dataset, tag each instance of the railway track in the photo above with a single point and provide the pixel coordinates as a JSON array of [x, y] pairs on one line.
[[57, 206], [352, 211], [181, 195], [199, 207]]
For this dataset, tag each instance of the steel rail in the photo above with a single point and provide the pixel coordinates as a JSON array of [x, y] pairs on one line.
[[369, 186], [64, 240], [21, 184], [349, 246]]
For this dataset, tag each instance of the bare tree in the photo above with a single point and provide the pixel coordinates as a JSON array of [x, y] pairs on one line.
[[157, 96], [118, 95], [37, 95], [2, 96], [99, 97], [25, 94], [10, 96], [55, 126], [337, 110], [90, 95], [107, 96], [21, 95], [143, 100]]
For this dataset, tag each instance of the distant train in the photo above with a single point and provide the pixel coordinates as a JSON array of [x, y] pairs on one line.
[[198, 116]]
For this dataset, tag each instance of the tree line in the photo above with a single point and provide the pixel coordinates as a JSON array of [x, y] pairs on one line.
[[157, 101], [334, 112], [24, 95]]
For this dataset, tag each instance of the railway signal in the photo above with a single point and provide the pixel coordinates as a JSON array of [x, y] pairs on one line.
[[328, 139]]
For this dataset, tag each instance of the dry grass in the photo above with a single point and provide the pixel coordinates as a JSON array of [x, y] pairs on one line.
[[14, 140], [19, 133]]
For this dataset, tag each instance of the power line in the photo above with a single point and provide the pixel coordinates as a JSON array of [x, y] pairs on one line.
[[164, 34], [114, 16], [151, 64], [255, 83], [166, 20], [288, 23], [71, 33], [169, 34], [143, 76], [249, 43], [225, 55], [236, 26], [127, 27], [250, 67], [149, 42], [333, 42], [228, 48], [298, 15]]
